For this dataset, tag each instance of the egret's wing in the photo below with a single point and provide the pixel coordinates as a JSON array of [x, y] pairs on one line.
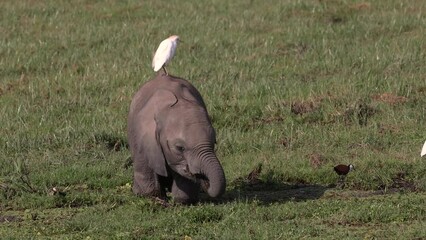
[[423, 150], [161, 55]]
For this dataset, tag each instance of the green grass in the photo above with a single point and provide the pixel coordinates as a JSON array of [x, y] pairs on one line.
[[298, 86]]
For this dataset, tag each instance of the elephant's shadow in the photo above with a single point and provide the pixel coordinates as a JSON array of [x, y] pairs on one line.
[[269, 192]]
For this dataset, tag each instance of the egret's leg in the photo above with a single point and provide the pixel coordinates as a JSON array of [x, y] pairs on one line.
[[164, 68]]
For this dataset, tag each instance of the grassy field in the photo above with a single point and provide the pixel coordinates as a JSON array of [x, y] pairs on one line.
[[297, 86]]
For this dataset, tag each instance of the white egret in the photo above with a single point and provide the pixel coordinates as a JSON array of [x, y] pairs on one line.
[[423, 150], [165, 52]]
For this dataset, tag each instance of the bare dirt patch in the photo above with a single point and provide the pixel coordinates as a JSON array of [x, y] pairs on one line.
[[303, 107], [19, 84], [389, 98], [401, 182], [386, 128], [317, 160], [361, 6], [9, 218]]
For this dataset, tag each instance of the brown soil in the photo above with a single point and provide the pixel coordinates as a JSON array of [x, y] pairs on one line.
[[316, 160], [303, 107], [361, 6], [6, 219], [389, 98]]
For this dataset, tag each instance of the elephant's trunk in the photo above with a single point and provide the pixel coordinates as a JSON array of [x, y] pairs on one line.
[[211, 169]]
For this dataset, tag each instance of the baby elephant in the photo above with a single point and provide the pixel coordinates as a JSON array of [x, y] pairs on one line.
[[172, 142]]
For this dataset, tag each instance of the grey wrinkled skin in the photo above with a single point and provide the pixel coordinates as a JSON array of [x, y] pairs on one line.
[[172, 142]]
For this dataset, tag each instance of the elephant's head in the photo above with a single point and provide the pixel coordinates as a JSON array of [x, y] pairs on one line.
[[184, 134]]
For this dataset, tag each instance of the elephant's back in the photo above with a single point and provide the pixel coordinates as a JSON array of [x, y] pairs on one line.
[[176, 85]]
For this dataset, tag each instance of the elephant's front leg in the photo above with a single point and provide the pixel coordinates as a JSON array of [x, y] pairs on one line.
[[147, 183], [184, 190]]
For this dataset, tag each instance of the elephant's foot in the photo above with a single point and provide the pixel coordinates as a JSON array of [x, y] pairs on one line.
[[140, 192], [149, 191]]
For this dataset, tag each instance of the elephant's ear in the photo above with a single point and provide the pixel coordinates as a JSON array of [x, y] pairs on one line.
[[150, 142], [192, 96]]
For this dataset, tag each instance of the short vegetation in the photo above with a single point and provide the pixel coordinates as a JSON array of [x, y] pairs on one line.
[[293, 88]]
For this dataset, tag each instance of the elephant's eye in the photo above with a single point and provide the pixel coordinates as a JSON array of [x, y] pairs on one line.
[[180, 148]]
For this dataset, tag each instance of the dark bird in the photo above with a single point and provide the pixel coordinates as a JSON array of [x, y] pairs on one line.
[[342, 171]]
